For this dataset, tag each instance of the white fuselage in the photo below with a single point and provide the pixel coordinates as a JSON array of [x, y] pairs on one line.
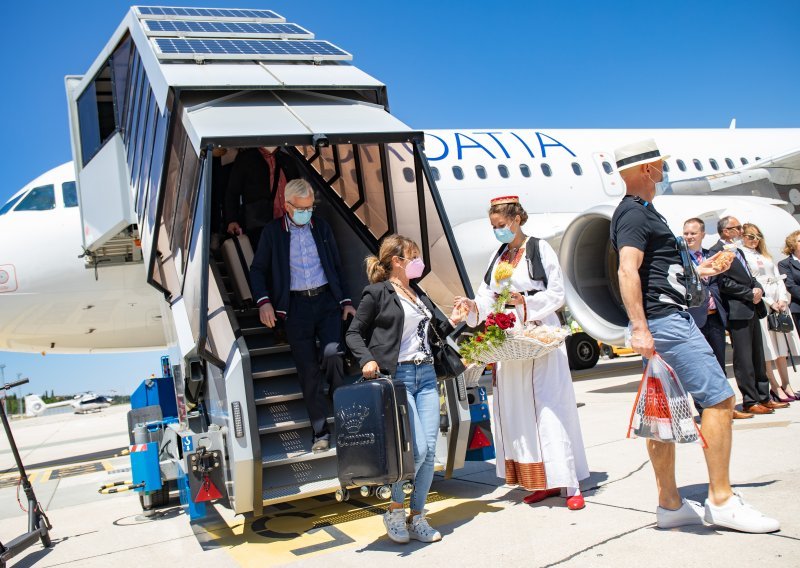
[[50, 301]]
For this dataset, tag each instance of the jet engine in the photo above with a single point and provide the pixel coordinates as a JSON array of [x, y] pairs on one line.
[[589, 262]]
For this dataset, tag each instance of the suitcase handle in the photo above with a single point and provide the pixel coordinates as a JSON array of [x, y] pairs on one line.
[[402, 409]]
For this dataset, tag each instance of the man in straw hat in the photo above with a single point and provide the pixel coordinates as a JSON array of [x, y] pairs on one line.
[[649, 269]]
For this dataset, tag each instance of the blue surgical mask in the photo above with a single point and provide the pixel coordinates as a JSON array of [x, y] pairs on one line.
[[300, 217], [504, 234], [663, 187]]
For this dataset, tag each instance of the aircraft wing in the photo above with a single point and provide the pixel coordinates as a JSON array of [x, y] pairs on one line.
[[784, 169]]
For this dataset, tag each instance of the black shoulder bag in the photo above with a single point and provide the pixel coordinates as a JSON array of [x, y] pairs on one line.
[[446, 360], [780, 322], [696, 291]]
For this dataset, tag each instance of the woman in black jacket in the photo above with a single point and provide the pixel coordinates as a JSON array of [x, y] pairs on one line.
[[391, 334]]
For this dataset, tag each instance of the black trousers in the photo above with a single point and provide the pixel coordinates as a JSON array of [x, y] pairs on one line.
[[748, 361], [714, 332], [309, 320]]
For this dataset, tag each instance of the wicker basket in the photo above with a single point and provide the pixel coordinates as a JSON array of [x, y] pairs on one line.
[[518, 347], [473, 373]]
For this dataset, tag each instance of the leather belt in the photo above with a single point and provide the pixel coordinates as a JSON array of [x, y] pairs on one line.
[[710, 312], [416, 362], [311, 292]]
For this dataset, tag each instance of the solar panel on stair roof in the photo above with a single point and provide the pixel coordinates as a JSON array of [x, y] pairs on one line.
[[226, 13], [197, 28], [180, 48]]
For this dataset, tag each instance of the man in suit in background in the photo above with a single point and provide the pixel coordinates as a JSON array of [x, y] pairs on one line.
[[790, 267], [741, 296], [297, 276], [711, 316]]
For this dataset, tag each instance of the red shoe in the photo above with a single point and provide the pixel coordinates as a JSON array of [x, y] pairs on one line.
[[576, 502], [541, 495]]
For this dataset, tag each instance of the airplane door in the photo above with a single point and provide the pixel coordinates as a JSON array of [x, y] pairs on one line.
[[609, 176]]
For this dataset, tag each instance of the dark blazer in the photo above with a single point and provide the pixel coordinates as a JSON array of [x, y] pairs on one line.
[[791, 268], [736, 288], [250, 184], [269, 275], [377, 328], [700, 313]]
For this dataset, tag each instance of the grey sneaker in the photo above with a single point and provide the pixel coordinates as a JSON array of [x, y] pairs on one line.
[[395, 522], [689, 513], [420, 530], [737, 515], [321, 444]]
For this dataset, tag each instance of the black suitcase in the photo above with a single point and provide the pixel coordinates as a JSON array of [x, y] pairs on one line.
[[374, 444]]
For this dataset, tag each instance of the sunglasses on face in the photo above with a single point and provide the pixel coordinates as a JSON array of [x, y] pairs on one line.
[[736, 228], [753, 237]]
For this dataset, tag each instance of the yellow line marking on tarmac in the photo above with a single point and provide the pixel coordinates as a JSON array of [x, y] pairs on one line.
[[107, 465], [45, 475], [312, 528]]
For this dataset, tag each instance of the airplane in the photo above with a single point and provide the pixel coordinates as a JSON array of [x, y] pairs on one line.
[[82, 404], [54, 300]]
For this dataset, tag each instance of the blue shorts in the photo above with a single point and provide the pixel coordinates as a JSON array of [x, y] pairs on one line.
[[681, 344]]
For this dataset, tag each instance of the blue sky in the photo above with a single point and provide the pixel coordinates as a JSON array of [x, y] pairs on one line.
[[526, 64]]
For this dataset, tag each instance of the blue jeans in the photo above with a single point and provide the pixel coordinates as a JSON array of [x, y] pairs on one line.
[[423, 407]]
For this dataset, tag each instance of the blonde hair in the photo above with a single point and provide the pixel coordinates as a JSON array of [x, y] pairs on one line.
[[790, 243], [379, 268], [761, 247]]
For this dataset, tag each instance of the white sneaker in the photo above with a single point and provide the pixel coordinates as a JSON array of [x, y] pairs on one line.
[[689, 513], [321, 444], [420, 530], [737, 515], [395, 522]]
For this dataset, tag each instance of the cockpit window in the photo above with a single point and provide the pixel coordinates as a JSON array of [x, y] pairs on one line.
[[41, 198], [70, 193], [7, 207]]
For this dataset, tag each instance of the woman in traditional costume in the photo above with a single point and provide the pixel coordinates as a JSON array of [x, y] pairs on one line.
[[537, 432]]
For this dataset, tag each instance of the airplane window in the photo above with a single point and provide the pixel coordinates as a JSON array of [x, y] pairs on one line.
[[576, 167], [744, 161], [7, 207], [70, 193], [714, 164], [435, 174], [698, 166], [729, 163], [481, 171], [609, 170], [681, 165], [525, 170], [546, 170], [758, 158], [665, 167], [503, 171], [458, 173], [408, 174], [38, 199]]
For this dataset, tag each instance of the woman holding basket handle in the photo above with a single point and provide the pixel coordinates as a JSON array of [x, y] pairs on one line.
[[537, 432]]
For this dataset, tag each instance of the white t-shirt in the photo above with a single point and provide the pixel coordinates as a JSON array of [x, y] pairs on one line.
[[414, 343]]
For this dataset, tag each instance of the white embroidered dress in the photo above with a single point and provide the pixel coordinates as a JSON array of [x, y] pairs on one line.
[[766, 272], [537, 433]]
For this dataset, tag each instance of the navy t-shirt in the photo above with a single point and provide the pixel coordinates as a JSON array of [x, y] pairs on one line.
[[637, 224]]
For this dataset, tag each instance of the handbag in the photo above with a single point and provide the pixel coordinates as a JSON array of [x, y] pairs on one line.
[[696, 291], [446, 360], [780, 322]]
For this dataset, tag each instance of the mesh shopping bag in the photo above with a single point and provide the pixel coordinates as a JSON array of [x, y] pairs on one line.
[[662, 410]]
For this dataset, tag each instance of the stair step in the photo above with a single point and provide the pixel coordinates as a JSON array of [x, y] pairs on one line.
[[272, 365], [277, 389], [293, 446], [264, 344], [297, 480]]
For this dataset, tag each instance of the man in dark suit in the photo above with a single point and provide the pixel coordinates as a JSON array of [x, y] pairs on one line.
[[296, 276], [741, 295], [711, 316], [255, 190], [790, 266]]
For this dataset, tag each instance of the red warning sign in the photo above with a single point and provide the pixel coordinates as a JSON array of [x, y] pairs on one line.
[[207, 491], [479, 440]]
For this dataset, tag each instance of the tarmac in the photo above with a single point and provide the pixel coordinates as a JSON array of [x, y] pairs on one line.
[[483, 522]]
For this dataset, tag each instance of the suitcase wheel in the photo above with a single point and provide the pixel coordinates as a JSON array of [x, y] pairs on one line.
[[365, 491], [342, 495], [408, 488], [384, 492]]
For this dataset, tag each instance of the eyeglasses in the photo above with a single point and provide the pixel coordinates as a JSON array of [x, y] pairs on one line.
[[309, 209], [753, 237], [736, 228]]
